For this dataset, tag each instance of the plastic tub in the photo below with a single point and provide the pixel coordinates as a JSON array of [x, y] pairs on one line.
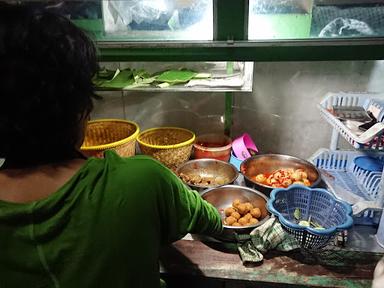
[[243, 146], [235, 161], [214, 146]]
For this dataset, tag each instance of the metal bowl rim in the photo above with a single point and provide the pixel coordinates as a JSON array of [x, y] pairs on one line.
[[287, 157], [209, 160]]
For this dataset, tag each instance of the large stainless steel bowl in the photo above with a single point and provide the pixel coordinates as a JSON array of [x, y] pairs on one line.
[[218, 172], [267, 163], [222, 197]]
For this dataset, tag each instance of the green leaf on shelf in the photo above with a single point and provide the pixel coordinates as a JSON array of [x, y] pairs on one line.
[[120, 80], [142, 78], [163, 85], [131, 78], [106, 74], [176, 76], [202, 76]]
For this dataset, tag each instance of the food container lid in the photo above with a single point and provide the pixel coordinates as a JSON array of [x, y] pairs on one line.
[[369, 163]]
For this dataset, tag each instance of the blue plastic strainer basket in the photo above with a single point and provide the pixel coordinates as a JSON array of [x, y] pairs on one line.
[[315, 203]]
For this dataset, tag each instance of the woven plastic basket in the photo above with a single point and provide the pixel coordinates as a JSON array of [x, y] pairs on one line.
[[316, 204], [105, 134], [170, 145]]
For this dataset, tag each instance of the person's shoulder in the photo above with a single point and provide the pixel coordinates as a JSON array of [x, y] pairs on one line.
[[111, 155], [138, 168], [137, 161]]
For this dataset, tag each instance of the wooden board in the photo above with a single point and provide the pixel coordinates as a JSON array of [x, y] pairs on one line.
[[341, 268]]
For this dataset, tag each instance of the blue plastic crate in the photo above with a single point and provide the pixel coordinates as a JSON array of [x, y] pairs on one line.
[[316, 204], [351, 183]]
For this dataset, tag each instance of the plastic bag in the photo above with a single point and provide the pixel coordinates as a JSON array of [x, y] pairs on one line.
[[346, 27], [137, 10], [153, 14]]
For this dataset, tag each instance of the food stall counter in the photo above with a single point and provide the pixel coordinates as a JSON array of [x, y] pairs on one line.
[[197, 261]]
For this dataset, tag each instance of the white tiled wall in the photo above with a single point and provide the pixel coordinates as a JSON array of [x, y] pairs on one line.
[[200, 112], [280, 114]]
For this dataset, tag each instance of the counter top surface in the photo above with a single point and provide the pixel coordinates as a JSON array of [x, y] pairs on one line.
[[351, 266]]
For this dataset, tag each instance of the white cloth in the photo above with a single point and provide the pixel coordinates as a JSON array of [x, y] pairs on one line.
[[378, 275]]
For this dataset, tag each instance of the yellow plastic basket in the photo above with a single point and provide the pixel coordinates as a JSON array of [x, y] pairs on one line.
[[105, 134], [170, 145]]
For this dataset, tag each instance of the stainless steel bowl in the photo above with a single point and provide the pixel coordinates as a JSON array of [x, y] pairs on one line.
[[267, 163], [222, 197], [220, 172]]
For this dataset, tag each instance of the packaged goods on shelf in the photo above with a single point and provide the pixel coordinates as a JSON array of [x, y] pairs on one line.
[[373, 103]]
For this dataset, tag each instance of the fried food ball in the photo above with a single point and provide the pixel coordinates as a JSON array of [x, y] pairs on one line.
[[248, 216], [278, 175], [256, 212], [243, 221], [236, 203], [253, 221], [236, 215], [296, 176], [260, 178], [249, 206], [286, 182], [236, 224], [228, 211], [306, 182], [230, 220], [242, 209]]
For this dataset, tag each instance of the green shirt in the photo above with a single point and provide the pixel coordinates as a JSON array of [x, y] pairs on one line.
[[103, 228]]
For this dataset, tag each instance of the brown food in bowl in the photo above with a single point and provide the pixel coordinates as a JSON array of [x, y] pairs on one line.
[[200, 174], [200, 180], [223, 197], [241, 214]]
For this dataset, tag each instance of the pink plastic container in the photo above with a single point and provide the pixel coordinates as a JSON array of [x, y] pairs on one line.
[[242, 145]]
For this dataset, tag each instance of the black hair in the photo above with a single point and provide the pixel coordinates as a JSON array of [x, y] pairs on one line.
[[46, 69]]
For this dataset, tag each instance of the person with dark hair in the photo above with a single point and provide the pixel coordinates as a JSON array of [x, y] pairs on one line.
[[68, 221]]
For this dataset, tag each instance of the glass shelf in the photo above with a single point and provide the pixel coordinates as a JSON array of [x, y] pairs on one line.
[[225, 76]]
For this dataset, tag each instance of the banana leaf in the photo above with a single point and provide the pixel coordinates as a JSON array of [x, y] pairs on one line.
[[122, 79], [142, 77], [176, 76], [128, 78], [106, 74]]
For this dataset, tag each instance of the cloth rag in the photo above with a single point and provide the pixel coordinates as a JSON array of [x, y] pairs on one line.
[[266, 237]]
